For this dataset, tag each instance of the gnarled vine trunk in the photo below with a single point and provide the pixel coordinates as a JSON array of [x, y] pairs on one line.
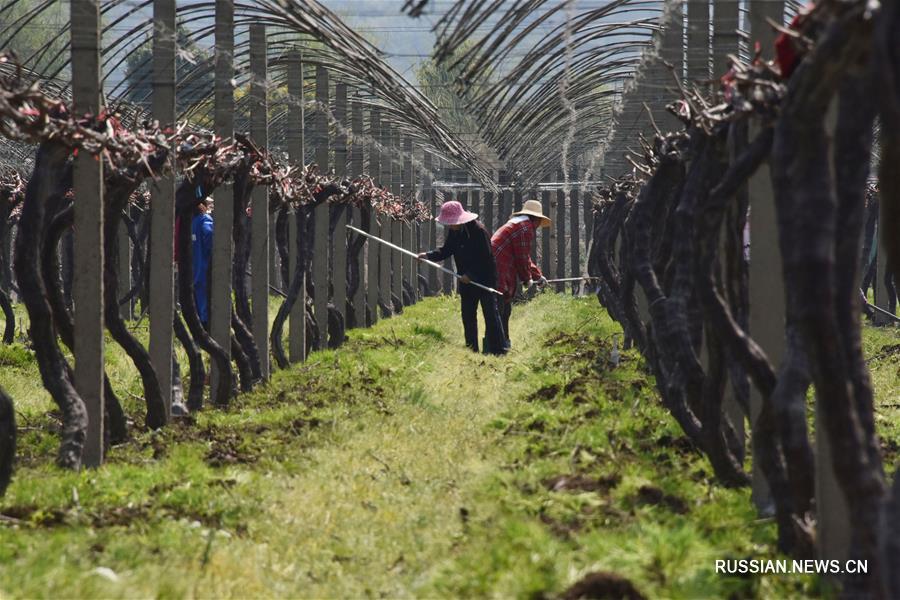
[[241, 315], [304, 260], [195, 364], [60, 217], [810, 211], [7, 440], [52, 173], [9, 327], [116, 198]]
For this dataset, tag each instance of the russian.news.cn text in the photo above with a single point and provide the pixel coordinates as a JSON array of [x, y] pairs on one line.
[[750, 566]]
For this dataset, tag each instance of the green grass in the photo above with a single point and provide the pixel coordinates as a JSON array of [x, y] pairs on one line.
[[20, 377], [882, 347], [400, 465]]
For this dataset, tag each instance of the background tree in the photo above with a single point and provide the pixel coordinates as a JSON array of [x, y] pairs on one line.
[[437, 83], [193, 72], [35, 33]]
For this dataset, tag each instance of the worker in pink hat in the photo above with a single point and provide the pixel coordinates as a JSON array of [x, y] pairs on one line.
[[469, 243]]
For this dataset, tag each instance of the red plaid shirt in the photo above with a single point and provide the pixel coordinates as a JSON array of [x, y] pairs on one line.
[[512, 252]]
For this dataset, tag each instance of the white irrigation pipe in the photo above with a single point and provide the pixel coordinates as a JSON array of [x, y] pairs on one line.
[[571, 279], [416, 256], [878, 308]]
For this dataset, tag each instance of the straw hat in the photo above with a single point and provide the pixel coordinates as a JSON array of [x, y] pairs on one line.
[[453, 213], [533, 208]]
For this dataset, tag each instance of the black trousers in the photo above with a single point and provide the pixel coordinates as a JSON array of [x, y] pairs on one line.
[[505, 312], [470, 297]]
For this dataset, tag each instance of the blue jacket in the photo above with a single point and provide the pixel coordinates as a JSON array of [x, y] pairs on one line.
[[201, 251], [201, 246]]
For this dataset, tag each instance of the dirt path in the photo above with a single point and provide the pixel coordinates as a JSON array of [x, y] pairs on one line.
[[374, 513]]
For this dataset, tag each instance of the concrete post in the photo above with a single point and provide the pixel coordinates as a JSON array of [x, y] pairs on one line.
[[833, 536], [430, 238], [162, 205], [767, 309], [426, 240], [760, 30], [357, 160], [548, 249], [488, 208], [560, 225], [462, 196], [504, 200], [259, 209], [408, 184], [446, 280], [382, 226], [535, 242], [552, 233], [88, 187], [296, 143], [416, 226], [372, 282], [374, 169], [449, 283], [373, 253], [339, 241], [384, 253], [575, 233], [223, 243], [725, 34], [833, 527], [880, 287], [320, 241], [462, 193], [726, 41], [698, 40], [588, 208], [274, 270], [414, 246], [397, 227], [672, 52], [124, 268]]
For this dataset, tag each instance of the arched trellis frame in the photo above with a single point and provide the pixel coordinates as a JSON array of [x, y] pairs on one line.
[[343, 51], [544, 76]]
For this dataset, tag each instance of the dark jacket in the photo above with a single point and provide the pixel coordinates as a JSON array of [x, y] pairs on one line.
[[470, 247]]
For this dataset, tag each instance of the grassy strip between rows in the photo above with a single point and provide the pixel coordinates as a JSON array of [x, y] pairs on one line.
[[404, 465]]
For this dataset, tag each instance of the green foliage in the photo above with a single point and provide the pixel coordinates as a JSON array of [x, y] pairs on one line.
[[194, 73], [428, 330], [15, 355], [438, 83], [882, 347], [36, 40]]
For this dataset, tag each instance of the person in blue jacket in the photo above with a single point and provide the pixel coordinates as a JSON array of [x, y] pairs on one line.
[[201, 250]]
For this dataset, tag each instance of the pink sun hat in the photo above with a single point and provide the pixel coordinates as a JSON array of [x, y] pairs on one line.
[[453, 213]]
